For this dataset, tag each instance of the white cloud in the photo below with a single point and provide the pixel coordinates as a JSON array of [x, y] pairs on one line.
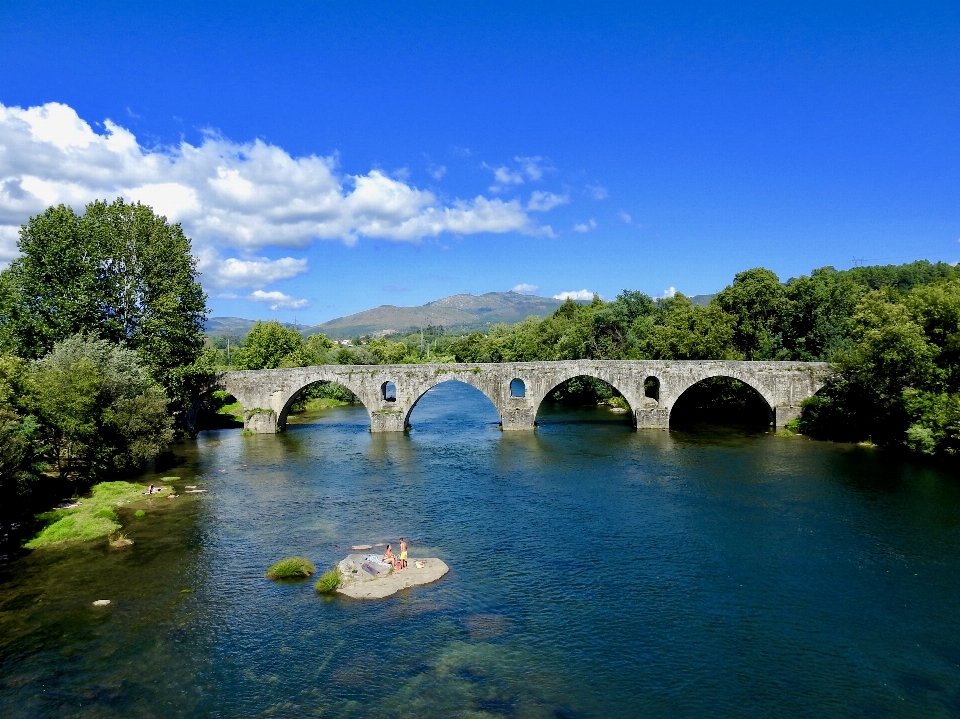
[[225, 194], [436, 171], [575, 295], [250, 273], [503, 176], [625, 217], [597, 192], [277, 300], [523, 287], [543, 201], [671, 292], [531, 166], [585, 226]]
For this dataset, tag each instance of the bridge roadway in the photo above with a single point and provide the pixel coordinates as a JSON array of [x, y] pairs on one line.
[[390, 392]]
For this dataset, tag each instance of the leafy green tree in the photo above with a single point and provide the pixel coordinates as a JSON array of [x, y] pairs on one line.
[[98, 409], [387, 351], [902, 278], [681, 330], [757, 300], [936, 309], [934, 428], [21, 460], [118, 272], [270, 345], [817, 319], [865, 398]]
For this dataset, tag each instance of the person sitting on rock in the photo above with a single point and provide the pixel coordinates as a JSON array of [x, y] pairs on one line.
[[389, 557]]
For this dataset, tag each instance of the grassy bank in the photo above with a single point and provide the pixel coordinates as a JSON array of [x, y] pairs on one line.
[[95, 517], [319, 403]]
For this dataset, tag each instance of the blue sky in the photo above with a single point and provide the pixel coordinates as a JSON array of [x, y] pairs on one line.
[[328, 158]]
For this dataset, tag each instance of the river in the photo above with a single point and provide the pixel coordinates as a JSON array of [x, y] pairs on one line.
[[596, 571]]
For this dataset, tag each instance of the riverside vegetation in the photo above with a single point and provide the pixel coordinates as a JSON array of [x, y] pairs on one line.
[[103, 354]]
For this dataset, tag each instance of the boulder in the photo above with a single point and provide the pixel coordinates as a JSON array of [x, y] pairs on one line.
[[361, 579]]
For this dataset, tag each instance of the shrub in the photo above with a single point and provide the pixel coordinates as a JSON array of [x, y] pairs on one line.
[[139, 513], [328, 582], [291, 568]]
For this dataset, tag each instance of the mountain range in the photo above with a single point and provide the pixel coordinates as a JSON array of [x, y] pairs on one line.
[[461, 313]]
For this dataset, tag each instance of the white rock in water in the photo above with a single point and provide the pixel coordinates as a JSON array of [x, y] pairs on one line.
[[362, 546], [379, 582], [101, 602]]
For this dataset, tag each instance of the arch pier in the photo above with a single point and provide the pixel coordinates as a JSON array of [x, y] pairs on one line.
[[650, 387]]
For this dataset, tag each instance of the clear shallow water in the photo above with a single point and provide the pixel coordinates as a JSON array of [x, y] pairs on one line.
[[595, 572]]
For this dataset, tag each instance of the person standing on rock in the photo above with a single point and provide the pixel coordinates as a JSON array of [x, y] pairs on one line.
[[403, 554]]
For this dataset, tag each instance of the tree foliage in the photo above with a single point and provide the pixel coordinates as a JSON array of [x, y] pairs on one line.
[[117, 272]]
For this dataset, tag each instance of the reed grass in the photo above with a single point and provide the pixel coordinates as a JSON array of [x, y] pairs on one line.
[[328, 582], [291, 568]]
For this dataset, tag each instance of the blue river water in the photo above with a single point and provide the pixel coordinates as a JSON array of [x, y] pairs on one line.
[[596, 571]]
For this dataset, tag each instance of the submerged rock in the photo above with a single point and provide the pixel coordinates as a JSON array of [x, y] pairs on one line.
[[362, 579], [101, 602]]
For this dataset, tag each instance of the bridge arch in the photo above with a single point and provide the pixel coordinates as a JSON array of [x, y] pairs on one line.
[[755, 406], [559, 379], [468, 379], [355, 388]]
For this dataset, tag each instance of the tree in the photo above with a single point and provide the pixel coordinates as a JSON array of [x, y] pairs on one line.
[[20, 448], [818, 315], [757, 300], [118, 272], [270, 345], [685, 332], [98, 409], [866, 396]]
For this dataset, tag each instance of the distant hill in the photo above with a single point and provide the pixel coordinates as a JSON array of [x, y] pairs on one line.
[[702, 300], [457, 312], [231, 326]]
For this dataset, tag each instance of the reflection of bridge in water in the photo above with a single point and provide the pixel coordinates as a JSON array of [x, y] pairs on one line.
[[390, 392]]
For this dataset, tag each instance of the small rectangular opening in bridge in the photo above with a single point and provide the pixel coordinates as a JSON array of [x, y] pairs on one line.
[[518, 388], [389, 391]]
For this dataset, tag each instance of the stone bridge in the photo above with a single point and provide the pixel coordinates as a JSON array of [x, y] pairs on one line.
[[390, 392]]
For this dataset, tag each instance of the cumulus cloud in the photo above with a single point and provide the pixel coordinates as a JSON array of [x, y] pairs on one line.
[[625, 217], [436, 171], [671, 292], [574, 295], [523, 288], [277, 300], [250, 273], [591, 224], [597, 192], [543, 201], [225, 194]]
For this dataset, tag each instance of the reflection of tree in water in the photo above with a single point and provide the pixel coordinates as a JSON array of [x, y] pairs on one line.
[[721, 400]]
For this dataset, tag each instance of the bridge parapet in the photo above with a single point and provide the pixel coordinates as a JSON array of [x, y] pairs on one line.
[[266, 395]]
